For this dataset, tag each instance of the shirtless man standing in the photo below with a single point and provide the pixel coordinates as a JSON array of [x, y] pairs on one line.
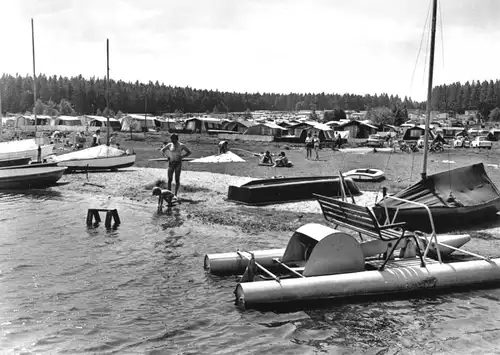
[[173, 151]]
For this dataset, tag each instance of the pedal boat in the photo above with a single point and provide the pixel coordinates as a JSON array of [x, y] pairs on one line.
[[320, 262]]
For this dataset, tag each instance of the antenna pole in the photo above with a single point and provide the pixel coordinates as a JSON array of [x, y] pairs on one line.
[[429, 89], [107, 92]]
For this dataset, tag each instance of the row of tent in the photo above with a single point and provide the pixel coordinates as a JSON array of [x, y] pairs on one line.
[[205, 124]]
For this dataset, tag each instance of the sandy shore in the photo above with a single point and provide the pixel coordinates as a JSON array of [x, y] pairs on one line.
[[202, 194]]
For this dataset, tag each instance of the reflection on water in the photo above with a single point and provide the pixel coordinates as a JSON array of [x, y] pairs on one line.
[[141, 288]]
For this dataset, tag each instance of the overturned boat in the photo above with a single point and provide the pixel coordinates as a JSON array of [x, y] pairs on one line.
[[100, 157], [320, 262], [457, 198], [279, 190]]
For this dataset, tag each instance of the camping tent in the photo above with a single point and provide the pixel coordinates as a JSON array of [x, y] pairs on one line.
[[137, 122], [237, 126], [68, 121], [324, 132], [265, 129], [203, 124], [99, 121]]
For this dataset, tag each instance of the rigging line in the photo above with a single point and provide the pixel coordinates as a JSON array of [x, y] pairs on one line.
[[427, 46], [441, 30], [420, 47]]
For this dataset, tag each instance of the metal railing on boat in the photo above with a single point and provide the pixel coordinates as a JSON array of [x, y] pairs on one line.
[[433, 231]]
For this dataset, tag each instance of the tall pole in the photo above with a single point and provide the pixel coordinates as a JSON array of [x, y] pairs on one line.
[[107, 92], [34, 73], [429, 89], [1, 112], [145, 110]]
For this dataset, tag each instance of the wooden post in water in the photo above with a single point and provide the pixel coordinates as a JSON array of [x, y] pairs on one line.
[[429, 90]]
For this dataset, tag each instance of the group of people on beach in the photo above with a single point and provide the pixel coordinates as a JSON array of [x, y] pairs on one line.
[[312, 142]]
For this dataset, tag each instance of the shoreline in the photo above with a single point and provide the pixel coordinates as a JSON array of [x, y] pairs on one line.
[[203, 196]]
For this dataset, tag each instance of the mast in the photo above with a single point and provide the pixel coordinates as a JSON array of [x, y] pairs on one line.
[[34, 73], [429, 89], [107, 92], [1, 115]]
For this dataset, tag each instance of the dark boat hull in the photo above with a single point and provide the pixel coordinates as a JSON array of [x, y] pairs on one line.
[[14, 161], [459, 198], [446, 219], [36, 177], [280, 190]]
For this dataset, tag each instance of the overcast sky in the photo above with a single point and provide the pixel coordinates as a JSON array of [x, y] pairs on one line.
[[353, 46]]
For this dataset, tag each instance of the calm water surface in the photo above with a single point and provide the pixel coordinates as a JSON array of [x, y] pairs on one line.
[[141, 289]]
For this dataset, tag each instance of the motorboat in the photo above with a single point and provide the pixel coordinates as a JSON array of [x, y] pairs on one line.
[[101, 157], [30, 176]]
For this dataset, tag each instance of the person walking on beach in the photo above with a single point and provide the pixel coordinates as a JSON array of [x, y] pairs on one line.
[[173, 151], [316, 142], [309, 146]]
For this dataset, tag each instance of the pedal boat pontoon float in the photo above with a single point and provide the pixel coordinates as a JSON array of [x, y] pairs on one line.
[[320, 262]]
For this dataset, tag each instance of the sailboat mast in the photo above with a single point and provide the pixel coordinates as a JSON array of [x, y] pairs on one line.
[[429, 89], [34, 73], [107, 92]]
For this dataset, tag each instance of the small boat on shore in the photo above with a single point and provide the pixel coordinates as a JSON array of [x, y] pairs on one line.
[[14, 162], [457, 198], [97, 158], [365, 174], [30, 176], [25, 148], [280, 190]]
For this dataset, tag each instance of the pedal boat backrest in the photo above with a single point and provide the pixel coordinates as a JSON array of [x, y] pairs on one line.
[[322, 250]]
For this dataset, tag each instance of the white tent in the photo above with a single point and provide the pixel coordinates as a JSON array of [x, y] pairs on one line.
[[68, 121], [136, 122]]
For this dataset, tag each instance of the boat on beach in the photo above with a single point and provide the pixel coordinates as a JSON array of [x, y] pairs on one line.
[[96, 158], [279, 190], [25, 148], [14, 162], [457, 198], [365, 174], [30, 176]]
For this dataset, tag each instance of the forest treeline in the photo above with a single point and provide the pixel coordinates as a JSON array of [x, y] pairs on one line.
[[88, 96], [79, 95]]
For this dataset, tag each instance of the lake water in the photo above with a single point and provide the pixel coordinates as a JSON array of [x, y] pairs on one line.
[[66, 288]]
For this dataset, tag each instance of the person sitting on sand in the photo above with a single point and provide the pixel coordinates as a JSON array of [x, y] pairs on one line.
[[80, 140], [163, 196], [96, 138], [281, 161], [266, 158], [223, 147], [173, 151]]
